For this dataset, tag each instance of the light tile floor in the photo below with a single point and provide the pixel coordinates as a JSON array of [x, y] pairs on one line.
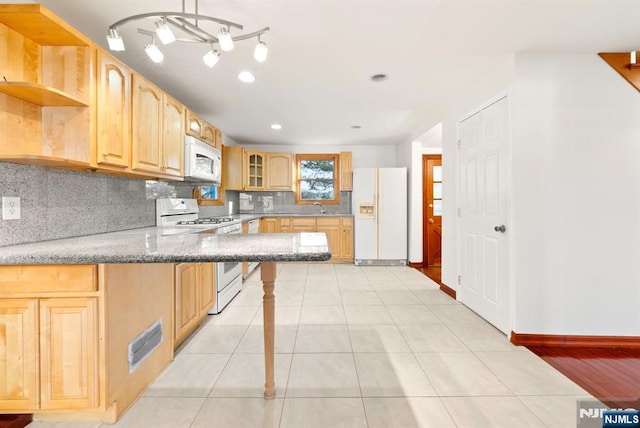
[[355, 347]]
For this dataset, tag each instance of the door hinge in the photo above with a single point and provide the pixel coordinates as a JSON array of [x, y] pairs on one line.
[[458, 143], [459, 279]]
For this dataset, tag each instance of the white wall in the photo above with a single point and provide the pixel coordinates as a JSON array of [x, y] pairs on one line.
[[410, 156], [373, 156], [576, 178]]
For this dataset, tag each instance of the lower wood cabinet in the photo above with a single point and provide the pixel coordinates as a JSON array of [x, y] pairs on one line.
[[19, 363], [194, 296], [269, 225], [68, 353], [346, 238], [50, 357], [65, 332], [339, 231], [331, 227]]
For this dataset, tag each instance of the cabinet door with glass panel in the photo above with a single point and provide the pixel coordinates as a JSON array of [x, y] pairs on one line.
[[254, 178]]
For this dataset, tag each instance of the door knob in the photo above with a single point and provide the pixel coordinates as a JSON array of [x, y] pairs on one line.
[[430, 221], [501, 228]]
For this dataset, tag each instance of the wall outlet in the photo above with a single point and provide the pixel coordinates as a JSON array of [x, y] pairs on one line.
[[10, 208]]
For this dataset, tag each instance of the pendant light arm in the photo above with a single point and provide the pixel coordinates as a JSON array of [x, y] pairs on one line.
[[168, 15], [250, 35]]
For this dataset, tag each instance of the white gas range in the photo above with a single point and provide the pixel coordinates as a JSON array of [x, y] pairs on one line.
[[175, 215]]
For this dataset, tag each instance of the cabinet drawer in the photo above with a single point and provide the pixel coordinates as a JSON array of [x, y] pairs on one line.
[[48, 278], [328, 222], [304, 222]]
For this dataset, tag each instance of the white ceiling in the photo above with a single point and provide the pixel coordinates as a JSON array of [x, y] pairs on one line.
[[316, 81]]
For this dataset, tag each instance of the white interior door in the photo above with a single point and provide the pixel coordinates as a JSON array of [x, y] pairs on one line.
[[484, 211]]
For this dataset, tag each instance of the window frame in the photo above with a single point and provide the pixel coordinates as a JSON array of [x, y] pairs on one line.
[[335, 157], [197, 194]]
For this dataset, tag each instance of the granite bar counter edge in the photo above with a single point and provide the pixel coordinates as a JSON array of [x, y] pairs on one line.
[[161, 245]]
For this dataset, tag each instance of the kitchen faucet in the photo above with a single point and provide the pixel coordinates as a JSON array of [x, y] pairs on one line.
[[322, 208]]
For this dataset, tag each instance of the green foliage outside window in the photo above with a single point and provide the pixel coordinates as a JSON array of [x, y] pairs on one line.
[[316, 179]]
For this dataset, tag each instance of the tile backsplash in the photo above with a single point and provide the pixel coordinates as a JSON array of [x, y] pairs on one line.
[[57, 203], [285, 203], [60, 204]]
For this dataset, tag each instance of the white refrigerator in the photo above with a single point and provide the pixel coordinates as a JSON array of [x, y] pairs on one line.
[[379, 202]]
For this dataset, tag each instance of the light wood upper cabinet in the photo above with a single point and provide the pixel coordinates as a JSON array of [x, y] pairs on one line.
[[218, 139], [203, 130], [279, 170], [146, 121], [346, 171], [209, 134], [19, 364], [113, 143], [158, 130], [233, 167], [46, 93], [195, 125], [254, 169], [69, 353], [173, 137]]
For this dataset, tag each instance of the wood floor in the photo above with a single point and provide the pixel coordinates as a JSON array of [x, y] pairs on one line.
[[612, 375], [433, 272], [14, 421]]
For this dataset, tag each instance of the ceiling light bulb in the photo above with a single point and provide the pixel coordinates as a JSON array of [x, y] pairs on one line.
[[224, 38], [246, 76], [115, 41], [164, 32], [153, 52], [211, 58], [260, 52], [276, 126]]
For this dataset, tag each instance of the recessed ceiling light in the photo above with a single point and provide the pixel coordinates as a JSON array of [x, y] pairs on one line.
[[356, 126], [246, 76], [379, 77], [276, 126]]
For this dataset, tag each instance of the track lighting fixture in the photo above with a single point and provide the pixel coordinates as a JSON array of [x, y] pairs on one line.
[[188, 27], [211, 58], [164, 32], [153, 52]]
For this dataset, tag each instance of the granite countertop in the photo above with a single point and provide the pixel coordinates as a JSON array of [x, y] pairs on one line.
[[169, 245]]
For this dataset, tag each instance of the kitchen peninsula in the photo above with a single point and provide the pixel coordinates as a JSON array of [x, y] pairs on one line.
[[78, 309]]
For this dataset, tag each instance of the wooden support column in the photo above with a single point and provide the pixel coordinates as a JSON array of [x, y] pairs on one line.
[[268, 276]]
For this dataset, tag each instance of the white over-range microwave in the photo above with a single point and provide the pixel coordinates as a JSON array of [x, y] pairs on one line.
[[202, 162]]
